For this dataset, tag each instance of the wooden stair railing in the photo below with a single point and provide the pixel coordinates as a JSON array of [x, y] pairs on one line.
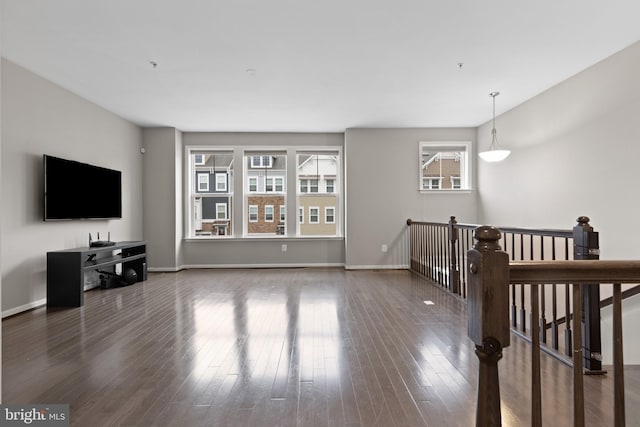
[[438, 250], [490, 275]]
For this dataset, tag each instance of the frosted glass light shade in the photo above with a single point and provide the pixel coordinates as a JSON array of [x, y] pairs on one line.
[[494, 155]]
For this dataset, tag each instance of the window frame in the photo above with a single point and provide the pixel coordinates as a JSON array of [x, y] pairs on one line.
[[326, 214], [217, 181], [226, 210], [200, 175], [257, 213], [268, 208], [466, 165], [317, 209], [238, 191], [333, 185]]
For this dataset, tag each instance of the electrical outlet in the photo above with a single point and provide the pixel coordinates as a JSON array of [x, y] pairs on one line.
[[384, 248], [284, 248]]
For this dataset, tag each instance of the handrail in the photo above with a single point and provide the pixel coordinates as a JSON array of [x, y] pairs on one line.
[[560, 272], [490, 275], [551, 232]]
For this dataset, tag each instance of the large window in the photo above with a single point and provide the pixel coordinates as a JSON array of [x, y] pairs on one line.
[[210, 197], [282, 191], [318, 195], [266, 174], [445, 166]]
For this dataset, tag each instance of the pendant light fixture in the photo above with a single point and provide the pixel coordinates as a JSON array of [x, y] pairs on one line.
[[494, 154]]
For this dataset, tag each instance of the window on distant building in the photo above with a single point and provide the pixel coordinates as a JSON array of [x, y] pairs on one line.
[[268, 213], [330, 185], [221, 211], [283, 209], [253, 213], [253, 184], [221, 182], [314, 215], [431, 183], [455, 182], [210, 194], [203, 182], [330, 215], [263, 161], [445, 166]]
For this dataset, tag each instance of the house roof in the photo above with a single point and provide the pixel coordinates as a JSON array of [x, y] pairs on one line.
[[308, 66]]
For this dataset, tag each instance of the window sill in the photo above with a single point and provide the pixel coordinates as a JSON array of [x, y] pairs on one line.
[[446, 191]]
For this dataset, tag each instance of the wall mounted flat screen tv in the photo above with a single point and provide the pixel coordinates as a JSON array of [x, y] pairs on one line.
[[75, 190]]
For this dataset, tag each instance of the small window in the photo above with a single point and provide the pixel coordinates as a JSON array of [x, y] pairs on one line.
[[203, 182], [282, 212], [261, 161], [301, 215], [279, 186], [253, 184], [455, 182], [198, 159], [221, 211], [221, 182], [445, 166], [431, 183], [253, 213], [314, 215], [330, 185], [268, 213], [330, 215], [274, 185]]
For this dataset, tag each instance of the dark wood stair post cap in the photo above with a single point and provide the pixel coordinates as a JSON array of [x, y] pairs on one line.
[[488, 297]]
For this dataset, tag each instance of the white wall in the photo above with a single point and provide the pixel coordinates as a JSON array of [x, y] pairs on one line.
[[39, 118], [575, 151], [162, 197], [1, 207], [382, 193]]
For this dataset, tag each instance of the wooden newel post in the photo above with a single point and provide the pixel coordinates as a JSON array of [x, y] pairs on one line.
[[454, 272], [488, 318], [586, 246]]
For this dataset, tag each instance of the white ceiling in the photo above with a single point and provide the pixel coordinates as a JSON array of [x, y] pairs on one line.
[[320, 65]]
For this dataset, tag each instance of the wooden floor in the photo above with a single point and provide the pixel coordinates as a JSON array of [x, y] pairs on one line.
[[305, 347]]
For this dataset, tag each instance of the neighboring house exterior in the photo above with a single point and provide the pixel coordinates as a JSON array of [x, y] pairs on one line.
[[213, 183], [441, 170], [317, 195], [266, 187]]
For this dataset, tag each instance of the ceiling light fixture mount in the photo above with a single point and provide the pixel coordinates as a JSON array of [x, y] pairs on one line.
[[494, 154]]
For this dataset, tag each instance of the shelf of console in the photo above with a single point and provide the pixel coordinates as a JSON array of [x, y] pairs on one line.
[[66, 269], [112, 260]]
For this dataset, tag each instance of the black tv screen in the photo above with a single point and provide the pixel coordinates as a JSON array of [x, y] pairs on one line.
[[74, 190]]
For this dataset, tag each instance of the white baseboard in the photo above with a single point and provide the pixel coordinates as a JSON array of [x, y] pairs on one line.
[[20, 309], [164, 269], [202, 266], [377, 267]]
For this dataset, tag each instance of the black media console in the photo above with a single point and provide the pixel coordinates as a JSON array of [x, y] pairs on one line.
[[66, 269]]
